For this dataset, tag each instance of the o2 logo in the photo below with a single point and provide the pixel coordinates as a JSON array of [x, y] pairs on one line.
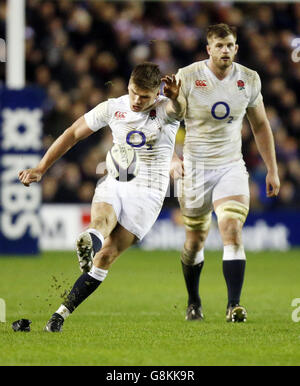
[[223, 112], [136, 138]]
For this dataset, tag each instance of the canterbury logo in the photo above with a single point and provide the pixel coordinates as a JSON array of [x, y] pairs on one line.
[[120, 115], [200, 83]]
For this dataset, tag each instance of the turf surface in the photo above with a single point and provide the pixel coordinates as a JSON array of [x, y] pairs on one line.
[[136, 317]]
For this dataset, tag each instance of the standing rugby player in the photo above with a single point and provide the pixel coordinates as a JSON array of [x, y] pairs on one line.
[[121, 212], [215, 96]]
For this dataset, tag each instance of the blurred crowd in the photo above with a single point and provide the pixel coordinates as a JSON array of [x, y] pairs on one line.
[[82, 52]]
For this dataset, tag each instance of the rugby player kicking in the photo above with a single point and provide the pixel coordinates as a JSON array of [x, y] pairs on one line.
[[215, 95], [121, 212]]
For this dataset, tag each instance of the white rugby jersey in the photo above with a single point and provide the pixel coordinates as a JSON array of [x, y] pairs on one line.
[[152, 133], [215, 112]]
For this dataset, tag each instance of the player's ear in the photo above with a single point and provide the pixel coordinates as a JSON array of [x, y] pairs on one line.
[[236, 48], [208, 49]]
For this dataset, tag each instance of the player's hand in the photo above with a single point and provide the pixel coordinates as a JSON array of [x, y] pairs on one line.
[[28, 176], [272, 184], [177, 169], [171, 88]]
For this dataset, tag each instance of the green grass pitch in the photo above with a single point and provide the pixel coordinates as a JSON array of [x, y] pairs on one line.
[[136, 317]]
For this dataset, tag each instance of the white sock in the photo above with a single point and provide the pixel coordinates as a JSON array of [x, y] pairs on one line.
[[63, 311], [199, 257], [234, 252], [98, 273]]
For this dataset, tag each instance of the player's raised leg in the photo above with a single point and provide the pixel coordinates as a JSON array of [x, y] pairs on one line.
[[89, 242], [192, 261], [231, 213], [119, 240]]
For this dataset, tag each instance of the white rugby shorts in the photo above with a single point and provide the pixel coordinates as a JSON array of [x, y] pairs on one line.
[[201, 187], [136, 207]]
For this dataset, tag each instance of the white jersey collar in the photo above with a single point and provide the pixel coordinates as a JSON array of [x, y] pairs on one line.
[[211, 73]]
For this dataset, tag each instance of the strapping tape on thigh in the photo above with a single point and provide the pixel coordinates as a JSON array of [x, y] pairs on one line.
[[232, 209], [200, 223]]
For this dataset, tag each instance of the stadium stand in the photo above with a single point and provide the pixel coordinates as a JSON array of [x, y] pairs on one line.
[[82, 52]]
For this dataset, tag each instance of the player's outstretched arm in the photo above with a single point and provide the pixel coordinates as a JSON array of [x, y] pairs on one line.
[[73, 134], [177, 104], [265, 143]]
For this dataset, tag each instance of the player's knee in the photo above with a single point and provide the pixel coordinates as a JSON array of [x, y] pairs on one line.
[[231, 217], [194, 245], [231, 226], [192, 256], [231, 231]]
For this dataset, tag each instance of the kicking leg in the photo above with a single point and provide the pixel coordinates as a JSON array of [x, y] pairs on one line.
[[232, 212], [119, 240], [89, 242]]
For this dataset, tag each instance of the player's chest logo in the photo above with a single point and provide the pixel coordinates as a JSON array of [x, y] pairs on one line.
[[119, 115], [241, 84], [144, 134], [200, 83]]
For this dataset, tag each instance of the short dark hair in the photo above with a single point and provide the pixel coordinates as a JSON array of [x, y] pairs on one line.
[[146, 76], [220, 30]]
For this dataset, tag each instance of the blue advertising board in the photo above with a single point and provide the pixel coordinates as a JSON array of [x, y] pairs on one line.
[[20, 148], [268, 230]]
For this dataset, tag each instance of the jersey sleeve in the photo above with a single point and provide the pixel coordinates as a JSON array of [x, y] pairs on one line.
[[98, 117], [256, 96]]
